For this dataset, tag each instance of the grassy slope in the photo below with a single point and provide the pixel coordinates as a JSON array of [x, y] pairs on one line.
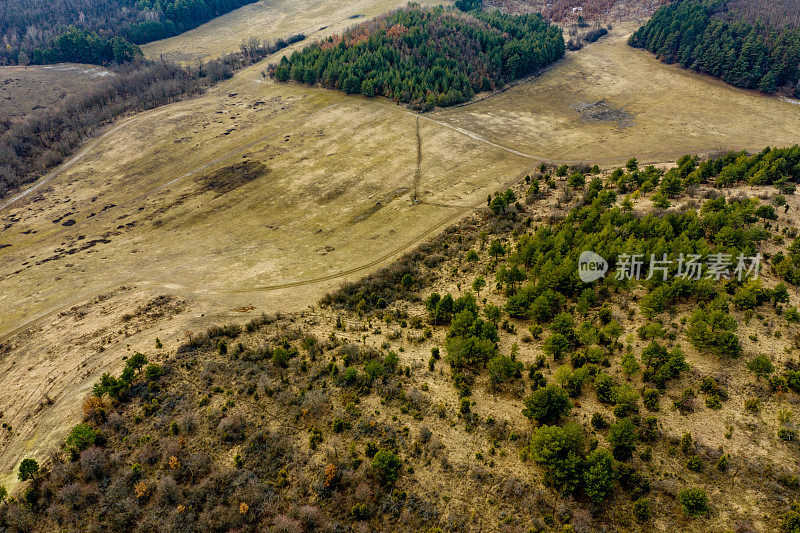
[[268, 19], [468, 473], [653, 110], [23, 89]]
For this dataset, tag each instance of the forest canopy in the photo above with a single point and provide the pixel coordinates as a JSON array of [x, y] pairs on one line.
[[96, 31], [427, 58], [707, 37]]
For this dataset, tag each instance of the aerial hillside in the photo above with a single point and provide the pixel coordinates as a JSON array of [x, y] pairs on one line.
[[722, 39], [480, 382], [86, 256], [777, 13], [163, 208]]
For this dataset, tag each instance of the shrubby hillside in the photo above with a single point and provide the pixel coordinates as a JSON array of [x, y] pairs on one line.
[[478, 383], [96, 31], [427, 57], [582, 11], [706, 36]]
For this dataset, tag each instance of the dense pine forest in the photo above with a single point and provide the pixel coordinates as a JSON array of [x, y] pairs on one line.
[[428, 58], [709, 37], [92, 31]]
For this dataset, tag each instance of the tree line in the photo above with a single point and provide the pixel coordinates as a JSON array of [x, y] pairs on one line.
[[427, 57], [41, 141], [699, 35], [96, 31], [81, 46]]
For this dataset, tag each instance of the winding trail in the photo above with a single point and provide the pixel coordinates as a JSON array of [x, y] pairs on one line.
[[459, 210], [418, 171]]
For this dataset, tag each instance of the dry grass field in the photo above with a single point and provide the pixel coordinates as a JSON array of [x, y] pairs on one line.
[[158, 206], [609, 99], [269, 19], [25, 89], [259, 196]]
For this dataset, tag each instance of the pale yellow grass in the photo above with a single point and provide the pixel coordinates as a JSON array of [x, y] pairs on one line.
[[25, 89], [671, 111], [269, 19]]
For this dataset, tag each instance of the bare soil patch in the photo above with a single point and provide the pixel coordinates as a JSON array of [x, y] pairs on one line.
[[231, 177]]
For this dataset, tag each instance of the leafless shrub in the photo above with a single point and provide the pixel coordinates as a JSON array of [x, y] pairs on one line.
[[167, 491], [76, 495], [231, 428], [284, 524], [424, 434], [115, 421], [188, 423], [196, 465], [123, 514], [316, 402], [94, 463], [147, 454], [310, 517], [363, 492]]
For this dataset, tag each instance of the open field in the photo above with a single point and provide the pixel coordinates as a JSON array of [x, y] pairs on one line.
[[25, 89], [265, 196], [609, 99], [269, 19]]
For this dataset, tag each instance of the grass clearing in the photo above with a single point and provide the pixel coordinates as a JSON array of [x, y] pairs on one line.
[[668, 110], [25, 89], [268, 19]]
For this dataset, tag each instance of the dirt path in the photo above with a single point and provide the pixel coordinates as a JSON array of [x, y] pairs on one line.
[[459, 212], [96, 140], [418, 171]]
